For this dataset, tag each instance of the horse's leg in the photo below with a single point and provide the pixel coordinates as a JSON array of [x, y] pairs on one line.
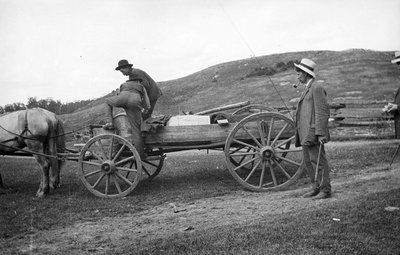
[[1, 182], [44, 180], [44, 164], [2, 189]]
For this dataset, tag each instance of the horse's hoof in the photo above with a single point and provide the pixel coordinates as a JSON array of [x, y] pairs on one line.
[[41, 193], [55, 186]]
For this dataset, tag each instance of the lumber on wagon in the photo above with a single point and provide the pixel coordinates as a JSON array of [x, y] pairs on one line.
[[224, 108], [202, 135]]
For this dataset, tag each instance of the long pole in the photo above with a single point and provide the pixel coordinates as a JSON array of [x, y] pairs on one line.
[[394, 155]]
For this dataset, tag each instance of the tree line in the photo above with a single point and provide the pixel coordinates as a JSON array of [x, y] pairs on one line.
[[49, 104]]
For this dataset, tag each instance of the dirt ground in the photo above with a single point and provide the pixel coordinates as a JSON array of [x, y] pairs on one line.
[[238, 207]]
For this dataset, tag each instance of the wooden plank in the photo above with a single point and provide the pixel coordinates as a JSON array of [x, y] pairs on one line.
[[186, 135], [360, 113], [206, 134], [224, 108]]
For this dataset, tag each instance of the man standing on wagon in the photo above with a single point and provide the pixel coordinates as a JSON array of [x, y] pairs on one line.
[[132, 97], [135, 74], [312, 129]]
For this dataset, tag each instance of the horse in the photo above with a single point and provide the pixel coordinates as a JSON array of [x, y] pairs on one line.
[[40, 133]]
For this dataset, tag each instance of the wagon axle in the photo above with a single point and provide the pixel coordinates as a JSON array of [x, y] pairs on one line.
[[267, 152], [108, 167]]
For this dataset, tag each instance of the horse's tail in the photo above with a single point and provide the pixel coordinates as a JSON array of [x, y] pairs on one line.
[[60, 141], [56, 143]]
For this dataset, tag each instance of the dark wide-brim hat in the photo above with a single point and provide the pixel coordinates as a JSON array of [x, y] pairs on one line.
[[123, 63]]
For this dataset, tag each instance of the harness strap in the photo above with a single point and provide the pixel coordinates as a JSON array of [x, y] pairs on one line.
[[26, 129]]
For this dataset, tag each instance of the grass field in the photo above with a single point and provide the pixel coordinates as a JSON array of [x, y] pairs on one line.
[[219, 217]]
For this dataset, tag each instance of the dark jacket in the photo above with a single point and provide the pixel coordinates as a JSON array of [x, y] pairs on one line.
[[152, 89], [312, 116]]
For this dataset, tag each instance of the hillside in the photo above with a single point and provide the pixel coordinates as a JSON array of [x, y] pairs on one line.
[[348, 76]]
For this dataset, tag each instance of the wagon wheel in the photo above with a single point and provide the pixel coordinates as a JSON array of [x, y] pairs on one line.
[[245, 111], [152, 166], [268, 162], [109, 166], [254, 108]]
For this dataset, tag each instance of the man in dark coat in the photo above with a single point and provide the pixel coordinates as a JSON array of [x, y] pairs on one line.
[[135, 74], [394, 107], [312, 129]]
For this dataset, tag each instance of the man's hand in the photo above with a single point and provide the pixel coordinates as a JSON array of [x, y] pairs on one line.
[[144, 111], [392, 108], [108, 126], [322, 139]]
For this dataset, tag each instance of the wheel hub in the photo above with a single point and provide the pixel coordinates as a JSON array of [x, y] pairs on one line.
[[267, 152], [108, 167]]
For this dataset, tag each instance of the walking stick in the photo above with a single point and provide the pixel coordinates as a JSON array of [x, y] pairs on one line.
[[394, 155], [316, 168]]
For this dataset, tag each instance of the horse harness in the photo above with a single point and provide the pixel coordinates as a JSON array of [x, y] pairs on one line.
[[19, 138]]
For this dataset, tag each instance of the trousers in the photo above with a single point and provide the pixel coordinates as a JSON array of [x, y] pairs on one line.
[[131, 103], [310, 154]]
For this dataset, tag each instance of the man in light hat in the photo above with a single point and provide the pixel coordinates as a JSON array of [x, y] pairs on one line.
[[394, 107], [312, 129], [135, 74]]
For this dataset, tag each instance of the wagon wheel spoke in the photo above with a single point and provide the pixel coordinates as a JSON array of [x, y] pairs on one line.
[[285, 141], [92, 173], [289, 161], [289, 150], [253, 170], [245, 163], [97, 156], [272, 173], [271, 127], [242, 154], [123, 178], [245, 144], [107, 184], [260, 183], [150, 163], [110, 152], [102, 149], [116, 182], [239, 156], [130, 166], [279, 134], [119, 152], [124, 160], [261, 133], [282, 169], [130, 170], [98, 180], [252, 136], [91, 163]]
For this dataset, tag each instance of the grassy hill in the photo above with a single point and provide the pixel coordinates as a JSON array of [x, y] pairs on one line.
[[348, 76]]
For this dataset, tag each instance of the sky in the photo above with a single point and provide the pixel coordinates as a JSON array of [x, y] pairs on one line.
[[67, 50]]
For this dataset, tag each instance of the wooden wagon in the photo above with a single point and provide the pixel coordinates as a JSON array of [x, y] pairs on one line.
[[257, 142]]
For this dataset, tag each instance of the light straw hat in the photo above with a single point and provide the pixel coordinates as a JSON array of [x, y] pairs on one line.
[[307, 66], [396, 57]]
